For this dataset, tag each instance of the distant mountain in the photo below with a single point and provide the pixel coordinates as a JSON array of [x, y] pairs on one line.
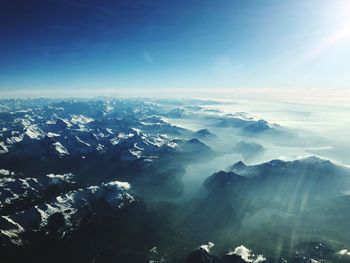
[[247, 125], [277, 181], [178, 113], [248, 149], [204, 134]]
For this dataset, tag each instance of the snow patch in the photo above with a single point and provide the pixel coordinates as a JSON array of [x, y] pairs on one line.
[[247, 255], [14, 232], [52, 134], [34, 132], [120, 185], [344, 252], [4, 172], [81, 119], [207, 247], [60, 148], [60, 177]]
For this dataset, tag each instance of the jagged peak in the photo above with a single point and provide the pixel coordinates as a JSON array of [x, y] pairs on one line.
[[239, 165]]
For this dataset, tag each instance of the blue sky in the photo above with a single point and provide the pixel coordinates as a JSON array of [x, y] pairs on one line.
[[94, 44]]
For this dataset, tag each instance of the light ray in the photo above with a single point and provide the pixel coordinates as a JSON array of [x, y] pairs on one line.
[[325, 44]]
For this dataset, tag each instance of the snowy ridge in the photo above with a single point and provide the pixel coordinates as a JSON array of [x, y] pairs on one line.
[[73, 206]]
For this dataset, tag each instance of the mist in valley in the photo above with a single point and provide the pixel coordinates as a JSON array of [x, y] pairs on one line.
[[272, 219]]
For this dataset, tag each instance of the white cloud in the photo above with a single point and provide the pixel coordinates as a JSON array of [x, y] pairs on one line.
[[325, 44]]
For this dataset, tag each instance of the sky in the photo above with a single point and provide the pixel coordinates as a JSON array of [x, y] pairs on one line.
[[67, 45]]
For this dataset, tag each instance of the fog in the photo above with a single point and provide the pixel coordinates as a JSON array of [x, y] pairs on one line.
[[326, 119], [321, 130]]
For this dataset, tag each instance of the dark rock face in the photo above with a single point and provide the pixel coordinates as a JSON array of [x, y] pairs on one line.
[[201, 256], [232, 259]]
